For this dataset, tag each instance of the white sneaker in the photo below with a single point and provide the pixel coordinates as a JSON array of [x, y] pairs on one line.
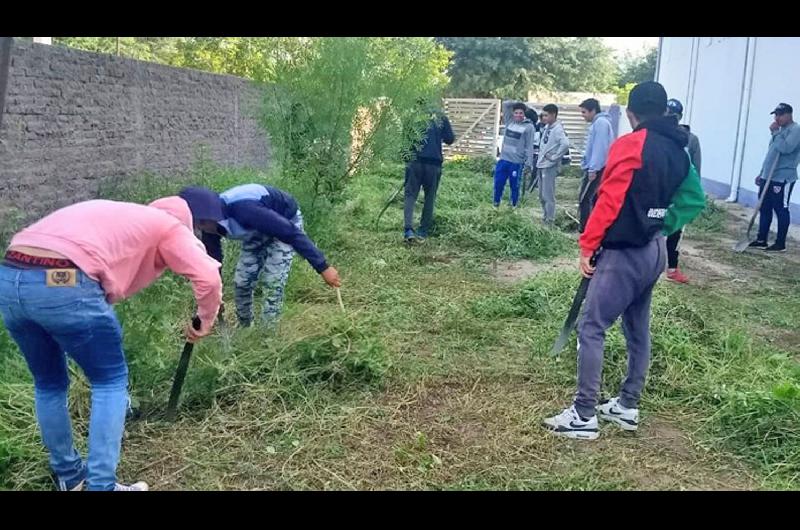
[[570, 424], [614, 412], [137, 486]]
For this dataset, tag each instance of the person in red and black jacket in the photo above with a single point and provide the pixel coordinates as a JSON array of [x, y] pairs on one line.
[[644, 171]]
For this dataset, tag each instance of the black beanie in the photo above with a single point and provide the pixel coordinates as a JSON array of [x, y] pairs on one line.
[[647, 99], [204, 204]]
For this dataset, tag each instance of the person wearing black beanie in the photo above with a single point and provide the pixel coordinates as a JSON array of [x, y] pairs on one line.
[[649, 190]]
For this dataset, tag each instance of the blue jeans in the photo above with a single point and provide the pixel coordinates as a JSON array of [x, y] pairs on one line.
[[506, 171], [46, 322]]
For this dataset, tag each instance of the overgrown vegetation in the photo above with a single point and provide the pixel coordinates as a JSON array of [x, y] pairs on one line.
[[437, 375], [341, 104], [503, 67]]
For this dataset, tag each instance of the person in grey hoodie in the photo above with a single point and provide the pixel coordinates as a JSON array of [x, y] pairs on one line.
[[517, 152], [552, 147], [785, 146], [598, 142]]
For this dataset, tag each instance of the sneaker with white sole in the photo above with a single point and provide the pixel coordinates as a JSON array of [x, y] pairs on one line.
[[570, 424], [613, 411], [136, 486]]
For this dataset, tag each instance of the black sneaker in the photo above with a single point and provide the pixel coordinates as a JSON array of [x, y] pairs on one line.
[[775, 248], [758, 244]]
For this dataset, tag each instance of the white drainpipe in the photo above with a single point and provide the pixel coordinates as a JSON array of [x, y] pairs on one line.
[[658, 57], [741, 128]]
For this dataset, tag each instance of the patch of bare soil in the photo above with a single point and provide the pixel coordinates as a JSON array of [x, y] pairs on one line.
[[515, 271]]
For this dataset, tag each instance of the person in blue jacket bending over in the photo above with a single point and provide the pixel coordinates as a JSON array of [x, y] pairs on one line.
[[269, 224]]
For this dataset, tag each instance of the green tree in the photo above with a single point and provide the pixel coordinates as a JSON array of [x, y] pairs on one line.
[[490, 66], [154, 49], [622, 93], [251, 57], [510, 66], [574, 64], [320, 93], [638, 69]]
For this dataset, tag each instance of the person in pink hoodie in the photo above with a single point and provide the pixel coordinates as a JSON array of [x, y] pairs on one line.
[[58, 282]]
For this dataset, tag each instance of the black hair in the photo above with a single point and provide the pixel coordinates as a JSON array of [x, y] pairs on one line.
[[519, 106], [551, 109], [590, 104]]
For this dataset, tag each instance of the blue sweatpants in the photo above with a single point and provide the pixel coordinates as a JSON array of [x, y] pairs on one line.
[[506, 171]]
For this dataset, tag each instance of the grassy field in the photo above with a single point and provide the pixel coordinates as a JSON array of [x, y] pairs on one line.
[[437, 376]]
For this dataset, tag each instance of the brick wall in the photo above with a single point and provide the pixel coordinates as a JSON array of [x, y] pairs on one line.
[[75, 119]]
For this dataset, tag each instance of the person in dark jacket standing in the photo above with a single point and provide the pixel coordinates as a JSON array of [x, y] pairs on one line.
[[674, 274], [269, 224], [648, 190], [424, 170]]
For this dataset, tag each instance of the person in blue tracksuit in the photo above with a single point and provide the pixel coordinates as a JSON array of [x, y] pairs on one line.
[[517, 152]]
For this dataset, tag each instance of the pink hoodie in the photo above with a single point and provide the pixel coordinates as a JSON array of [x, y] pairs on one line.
[[127, 246]]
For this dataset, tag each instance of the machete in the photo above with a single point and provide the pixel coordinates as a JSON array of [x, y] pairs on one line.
[[390, 201], [572, 316], [180, 374]]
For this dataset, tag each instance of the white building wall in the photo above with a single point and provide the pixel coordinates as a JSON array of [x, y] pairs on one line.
[[728, 86], [674, 66], [712, 108], [776, 79]]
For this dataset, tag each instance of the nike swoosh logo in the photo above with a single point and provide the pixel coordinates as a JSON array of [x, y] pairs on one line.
[[614, 412], [579, 426]]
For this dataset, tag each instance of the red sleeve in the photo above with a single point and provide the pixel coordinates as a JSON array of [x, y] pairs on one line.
[[624, 157]]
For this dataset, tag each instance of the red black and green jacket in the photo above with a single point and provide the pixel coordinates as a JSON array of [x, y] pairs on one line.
[[649, 187]]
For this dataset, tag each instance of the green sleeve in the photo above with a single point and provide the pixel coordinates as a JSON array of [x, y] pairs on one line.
[[687, 203]]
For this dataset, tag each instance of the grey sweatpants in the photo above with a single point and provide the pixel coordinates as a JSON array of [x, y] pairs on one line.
[[547, 192], [622, 285]]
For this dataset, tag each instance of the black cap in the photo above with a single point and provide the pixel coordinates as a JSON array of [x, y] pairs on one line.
[[648, 98], [674, 107], [204, 204], [782, 108]]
